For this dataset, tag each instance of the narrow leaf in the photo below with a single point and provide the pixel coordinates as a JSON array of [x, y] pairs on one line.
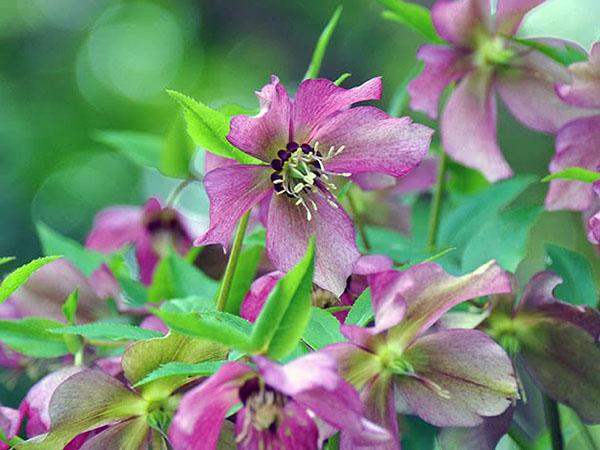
[[400, 99], [361, 312], [31, 337], [574, 174], [566, 55], [322, 43], [416, 17], [69, 308], [177, 150], [142, 148], [203, 369], [109, 331], [6, 259], [245, 273], [15, 279], [323, 329]]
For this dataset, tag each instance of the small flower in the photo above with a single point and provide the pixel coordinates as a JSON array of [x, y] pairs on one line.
[[281, 407], [484, 59], [304, 144], [448, 378]]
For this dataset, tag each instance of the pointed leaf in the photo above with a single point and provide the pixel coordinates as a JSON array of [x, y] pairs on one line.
[[16, 278], [414, 16], [186, 371], [109, 331], [319, 52], [245, 273], [361, 313], [177, 150], [323, 329], [575, 174], [31, 337]]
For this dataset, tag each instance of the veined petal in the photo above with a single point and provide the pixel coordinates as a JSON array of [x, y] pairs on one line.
[[372, 264], [355, 364], [289, 231], [115, 227], [584, 89], [443, 65], [201, 412], [317, 100], [480, 437], [127, 435], [594, 229], [421, 179], [373, 142], [232, 191], [471, 111], [264, 134], [458, 21], [373, 181], [461, 376], [573, 149], [510, 13], [212, 161], [258, 294]]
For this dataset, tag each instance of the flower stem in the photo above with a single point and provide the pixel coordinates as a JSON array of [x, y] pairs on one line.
[[174, 195], [232, 262], [553, 423], [584, 432], [436, 203], [519, 437], [360, 226]]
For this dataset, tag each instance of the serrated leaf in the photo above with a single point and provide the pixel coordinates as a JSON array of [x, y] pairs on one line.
[[574, 174], [69, 308], [317, 58], [361, 313], [578, 286], [180, 369], [53, 243], [177, 150], [30, 336], [143, 149], [243, 277], [109, 331], [19, 276], [209, 128], [323, 329], [414, 16], [286, 312]]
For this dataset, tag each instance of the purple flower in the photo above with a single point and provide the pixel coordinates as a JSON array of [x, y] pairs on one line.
[[281, 407], [578, 142], [449, 377], [304, 143], [484, 60], [10, 422], [151, 229], [594, 221]]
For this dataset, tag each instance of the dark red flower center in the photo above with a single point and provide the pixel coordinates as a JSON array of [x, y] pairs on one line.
[[264, 407]]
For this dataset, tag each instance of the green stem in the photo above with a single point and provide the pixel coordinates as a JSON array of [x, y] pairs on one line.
[[174, 196], [78, 357], [436, 203], [585, 432], [232, 262], [519, 437], [360, 226], [553, 423]]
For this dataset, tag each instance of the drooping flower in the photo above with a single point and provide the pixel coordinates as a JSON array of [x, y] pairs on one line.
[[578, 142], [281, 406], [304, 144], [449, 377], [483, 59], [357, 282], [152, 229]]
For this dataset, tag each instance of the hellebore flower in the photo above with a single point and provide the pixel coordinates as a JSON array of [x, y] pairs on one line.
[[357, 282], [281, 407], [449, 377], [151, 229], [10, 422], [304, 143], [594, 221], [578, 142], [483, 59]]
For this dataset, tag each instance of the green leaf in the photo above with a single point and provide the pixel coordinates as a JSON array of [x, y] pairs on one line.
[[361, 313], [317, 58], [415, 17], [575, 174], [286, 313], [400, 99], [6, 259], [69, 308], [566, 55], [209, 128], [180, 369], [109, 331], [578, 286], [54, 243], [31, 337], [243, 277], [177, 150], [135, 294], [322, 330], [16, 278], [143, 149]]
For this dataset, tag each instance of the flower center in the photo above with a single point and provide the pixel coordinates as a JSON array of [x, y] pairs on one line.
[[264, 407], [492, 51], [322, 298], [165, 230], [299, 171]]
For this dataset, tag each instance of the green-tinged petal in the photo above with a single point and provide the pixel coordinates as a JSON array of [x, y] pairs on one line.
[[127, 435]]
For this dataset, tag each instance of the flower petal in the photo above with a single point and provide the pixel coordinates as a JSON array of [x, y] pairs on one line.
[[258, 294], [510, 13], [480, 437], [264, 134], [232, 191], [419, 180], [373, 142], [584, 89], [373, 181], [317, 100], [115, 227], [458, 21], [10, 423], [594, 229], [127, 435], [202, 410], [471, 111], [468, 376], [573, 144], [443, 65], [289, 231]]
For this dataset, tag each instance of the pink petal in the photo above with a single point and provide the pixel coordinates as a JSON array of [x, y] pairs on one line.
[[115, 227], [458, 21], [232, 191], [201, 412], [510, 13], [421, 179], [373, 181], [584, 89], [474, 373], [264, 134], [317, 100], [480, 437], [257, 296], [10, 423], [212, 161], [594, 229], [289, 231], [373, 142], [443, 65], [468, 127], [574, 148], [372, 264]]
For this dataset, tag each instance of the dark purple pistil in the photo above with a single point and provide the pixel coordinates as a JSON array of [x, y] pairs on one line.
[[292, 147], [306, 148], [277, 165]]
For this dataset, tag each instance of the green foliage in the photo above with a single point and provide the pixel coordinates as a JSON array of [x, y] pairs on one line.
[[134, 293], [563, 55], [15, 279], [361, 312], [574, 174], [286, 313], [69, 308], [401, 98], [108, 331], [6, 259], [322, 43], [323, 329], [578, 286], [244, 275], [177, 150], [188, 370], [209, 128], [143, 149], [343, 77], [414, 16], [33, 337]]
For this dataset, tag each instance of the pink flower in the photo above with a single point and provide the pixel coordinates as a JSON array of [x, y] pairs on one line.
[[304, 143], [10, 422], [484, 60]]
